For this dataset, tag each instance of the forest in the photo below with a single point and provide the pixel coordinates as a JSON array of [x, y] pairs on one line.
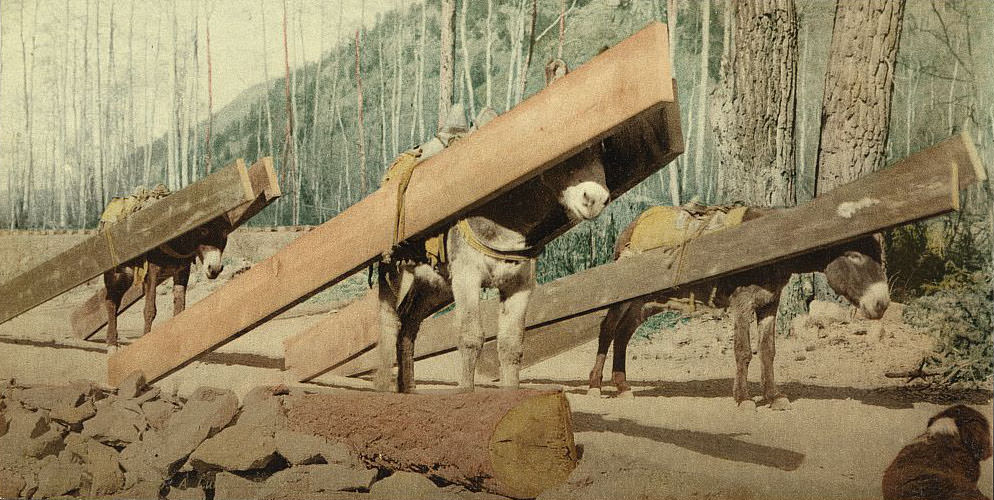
[[98, 111]]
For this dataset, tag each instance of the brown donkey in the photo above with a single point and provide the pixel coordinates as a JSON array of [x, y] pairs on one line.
[[171, 259], [854, 270]]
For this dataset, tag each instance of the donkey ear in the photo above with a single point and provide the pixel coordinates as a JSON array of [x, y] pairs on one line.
[[976, 437]]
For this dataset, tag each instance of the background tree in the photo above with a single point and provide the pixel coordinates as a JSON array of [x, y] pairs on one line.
[[446, 59]]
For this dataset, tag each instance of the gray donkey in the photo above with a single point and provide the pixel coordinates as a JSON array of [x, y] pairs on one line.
[[494, 246]]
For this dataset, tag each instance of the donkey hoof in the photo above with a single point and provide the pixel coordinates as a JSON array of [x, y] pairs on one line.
[[626, 394], [594, 391], [747, 405], [780, 403]]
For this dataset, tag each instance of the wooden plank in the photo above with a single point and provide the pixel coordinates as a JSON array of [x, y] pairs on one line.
[[623, 83], [171, 216], [640, 148], [89, 318], [922, 185]]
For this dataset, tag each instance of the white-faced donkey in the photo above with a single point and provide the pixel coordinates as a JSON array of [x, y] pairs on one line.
[[494, 246], [854, 270]]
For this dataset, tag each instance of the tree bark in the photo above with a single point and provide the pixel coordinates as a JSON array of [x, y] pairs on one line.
[[361, 125], [445, 62], [470, 95], [523, 78], [289, 160], [702, 100], [674, 168], [755, 125], [514, 443], [208, 144], [489, 50], [858, 85]]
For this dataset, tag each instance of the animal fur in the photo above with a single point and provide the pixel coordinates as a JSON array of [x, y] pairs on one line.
[[944, 462], [854, 270]]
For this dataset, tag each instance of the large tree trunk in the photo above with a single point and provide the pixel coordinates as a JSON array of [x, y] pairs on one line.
[[470, 95], [446, 58], [858, 86], [702, 100], [515, 443], [754, 127], [674, 168]]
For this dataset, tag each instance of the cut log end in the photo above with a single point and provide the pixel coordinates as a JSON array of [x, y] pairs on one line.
[[513, 443]]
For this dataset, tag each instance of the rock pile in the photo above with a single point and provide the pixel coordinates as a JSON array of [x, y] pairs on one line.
[[81, 440]]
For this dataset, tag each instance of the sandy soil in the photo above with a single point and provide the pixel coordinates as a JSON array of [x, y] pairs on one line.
[[680, 437]]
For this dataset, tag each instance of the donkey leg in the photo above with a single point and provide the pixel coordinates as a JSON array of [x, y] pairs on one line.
[[510, 330], [116, 282], [767, 316], [180, 280], [389, 327], [627, 324], [742, 310], [466, 288], [405, 356], [151, 278], [608, 325]]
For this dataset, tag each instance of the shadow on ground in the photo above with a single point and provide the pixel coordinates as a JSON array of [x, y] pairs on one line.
[[724, 446], [889, 397]]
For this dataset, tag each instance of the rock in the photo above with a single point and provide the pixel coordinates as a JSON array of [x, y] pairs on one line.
[[302, 449], [101, 463], [781, 403], [747, 405], [11, 484], [810, 347], [44, 397], [31, 435], [822, 313], [145, 490], [61, 478], [263, 412], [228, 486], [457, 491], [307, 480], [132, 385], [186, 494], [241, 447], [73, 417], [206, 413], [158, 412], [117, 422], [800, 357], [142, 464], [404, 485]]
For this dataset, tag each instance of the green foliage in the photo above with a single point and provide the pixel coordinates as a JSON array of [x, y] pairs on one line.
[[658, 322], [958, 312]]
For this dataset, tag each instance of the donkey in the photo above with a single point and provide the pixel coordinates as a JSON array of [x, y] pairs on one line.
[[854, 270], [494, 246], [171, 259]]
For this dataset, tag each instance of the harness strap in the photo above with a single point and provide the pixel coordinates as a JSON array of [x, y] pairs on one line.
[[113, 249], [168, 250], [474, 241]]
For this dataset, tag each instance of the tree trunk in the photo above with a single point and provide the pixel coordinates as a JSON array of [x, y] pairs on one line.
[[755, 125], [289, 158], [489, 50], [858, 86], [514, 443], [523, 78], [702, 100], [470, 95], [208, 143], [361, 124], [445, 61], [397, 98], [518, 20], [269, 112], [675, 167], [383, 107], [419, 85]]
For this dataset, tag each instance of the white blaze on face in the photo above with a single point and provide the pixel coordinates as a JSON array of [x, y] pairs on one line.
[[875, 300], [212, 261], [943, 425], [584, 200]]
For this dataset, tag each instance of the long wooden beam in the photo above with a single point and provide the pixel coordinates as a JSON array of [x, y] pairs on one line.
[[171, 216], [623, 84], [640, 148], [91, 316], [922, 185]]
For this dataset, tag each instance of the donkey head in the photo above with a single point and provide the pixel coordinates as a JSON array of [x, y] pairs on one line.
[[210, 240], [857, 274], [581, 185]]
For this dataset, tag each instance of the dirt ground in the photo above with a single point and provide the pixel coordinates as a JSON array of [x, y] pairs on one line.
[[681, 436]]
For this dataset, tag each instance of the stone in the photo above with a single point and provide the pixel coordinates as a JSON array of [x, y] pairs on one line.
[[204, 415], [11, 484], [307, 480], [50, 397], [186, 494], [117, 422], [403, 484], [158, 412], [822, 313], [241, 447], [61, 478], [456, 491], [780, 404], [30, 435], [142, 464], [228, 486], [132, 385], [299, 448], [264, 412], [101, 462], [145, 490], [73, 417]]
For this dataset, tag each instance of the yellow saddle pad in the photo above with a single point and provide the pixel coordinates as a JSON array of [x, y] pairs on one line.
[[665, 226]]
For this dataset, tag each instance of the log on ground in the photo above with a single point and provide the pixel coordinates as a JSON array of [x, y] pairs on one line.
[[513, 443]]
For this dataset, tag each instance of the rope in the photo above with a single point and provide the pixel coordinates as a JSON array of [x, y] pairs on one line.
[[113, 250]]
